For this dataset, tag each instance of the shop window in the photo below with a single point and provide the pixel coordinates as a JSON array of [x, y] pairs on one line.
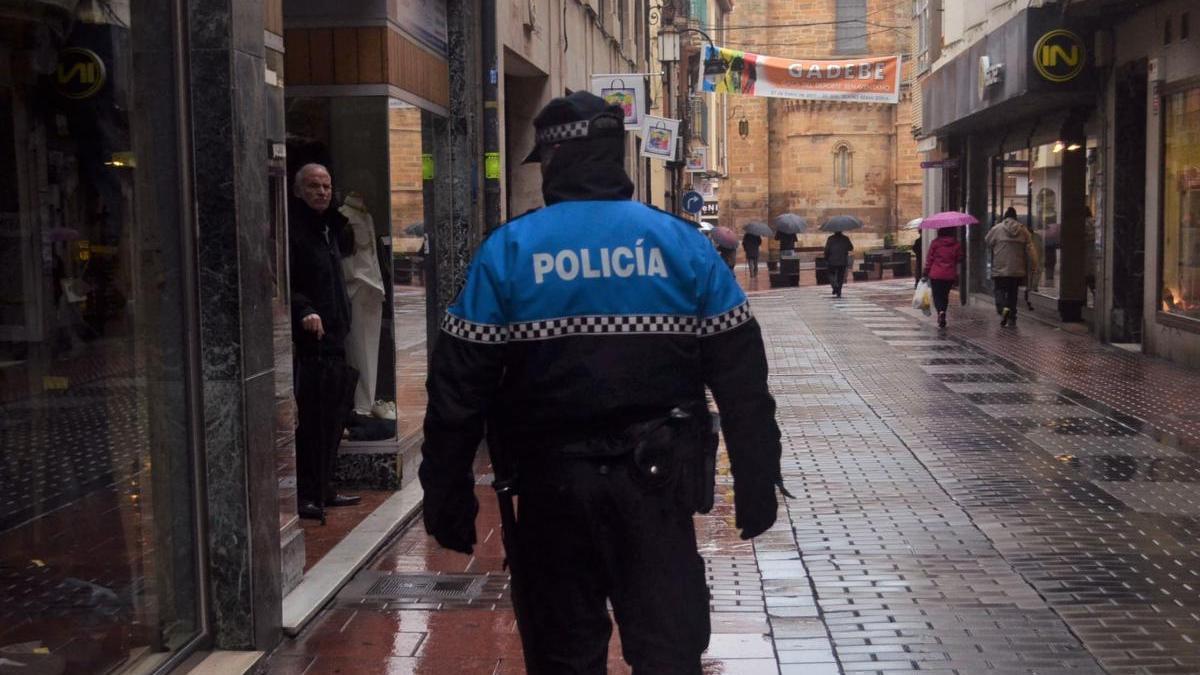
[[843, 161], [920, 16], [99, 563], [1180, 273], [850, 33]]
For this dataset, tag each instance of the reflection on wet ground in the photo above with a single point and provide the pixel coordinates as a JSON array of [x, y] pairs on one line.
[[972, 501]]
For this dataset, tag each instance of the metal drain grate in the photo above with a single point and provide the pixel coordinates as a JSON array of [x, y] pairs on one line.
[[426, 587]]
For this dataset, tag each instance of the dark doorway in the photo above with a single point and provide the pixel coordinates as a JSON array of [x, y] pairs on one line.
[[1129, 206]]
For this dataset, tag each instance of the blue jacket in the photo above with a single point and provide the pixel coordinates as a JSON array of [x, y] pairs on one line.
[[581, 319]]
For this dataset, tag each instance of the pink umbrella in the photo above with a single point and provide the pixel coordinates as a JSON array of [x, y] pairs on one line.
[[725, 237], [947, 219]]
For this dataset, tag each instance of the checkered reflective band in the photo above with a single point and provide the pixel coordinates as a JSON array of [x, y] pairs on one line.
[[474, 332], [726, 321], [562, 132], [604, 325]]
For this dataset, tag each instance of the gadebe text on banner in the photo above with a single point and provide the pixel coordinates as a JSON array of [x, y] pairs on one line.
[[874, 79]]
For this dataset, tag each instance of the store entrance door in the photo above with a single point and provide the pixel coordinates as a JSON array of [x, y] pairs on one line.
[[1129, 206]]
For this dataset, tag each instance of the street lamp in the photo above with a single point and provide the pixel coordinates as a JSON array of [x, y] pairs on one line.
[[668, 45]]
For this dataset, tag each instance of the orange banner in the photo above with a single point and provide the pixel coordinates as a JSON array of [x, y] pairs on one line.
[[874, 79]]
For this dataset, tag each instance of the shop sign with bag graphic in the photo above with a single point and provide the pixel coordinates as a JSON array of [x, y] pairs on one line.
[[625, 90], [697, 161], [659, 137]]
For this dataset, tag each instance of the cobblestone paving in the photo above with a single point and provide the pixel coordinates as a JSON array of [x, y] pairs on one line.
[[977, 517], [977, 501]]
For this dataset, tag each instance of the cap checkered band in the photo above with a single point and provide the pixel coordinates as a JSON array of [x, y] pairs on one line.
[[474, 332], [603, 325], [562, 132], [726, 321]]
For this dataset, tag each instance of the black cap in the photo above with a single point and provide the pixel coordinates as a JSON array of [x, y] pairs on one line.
[[579, 116]]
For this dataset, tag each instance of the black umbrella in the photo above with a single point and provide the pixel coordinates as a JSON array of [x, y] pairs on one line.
[[790, 223], [842, 224], [759, 229]]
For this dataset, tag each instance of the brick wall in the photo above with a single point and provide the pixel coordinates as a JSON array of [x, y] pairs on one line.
[[404, 140]]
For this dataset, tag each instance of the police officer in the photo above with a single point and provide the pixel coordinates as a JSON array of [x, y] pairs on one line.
[[583, 341]]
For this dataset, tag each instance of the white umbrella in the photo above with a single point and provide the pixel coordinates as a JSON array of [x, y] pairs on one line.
[[912, 224]]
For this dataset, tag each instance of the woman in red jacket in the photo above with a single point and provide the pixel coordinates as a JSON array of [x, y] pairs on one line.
[[941, 269]]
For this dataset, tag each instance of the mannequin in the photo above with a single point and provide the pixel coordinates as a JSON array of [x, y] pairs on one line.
[[364, 285]]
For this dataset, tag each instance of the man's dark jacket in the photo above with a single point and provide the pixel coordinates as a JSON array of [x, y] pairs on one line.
[[317, 285], [837, 250], [549, 348]]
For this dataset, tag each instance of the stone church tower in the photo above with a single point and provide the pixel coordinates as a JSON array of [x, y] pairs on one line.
[[816, 158]]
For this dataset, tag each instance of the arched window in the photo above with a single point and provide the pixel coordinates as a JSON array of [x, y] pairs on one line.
[[843, 165]]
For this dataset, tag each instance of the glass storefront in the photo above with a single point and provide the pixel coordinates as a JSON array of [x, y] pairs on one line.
[[99, 560], [1030, 182], [1180, 273], [380, 154]]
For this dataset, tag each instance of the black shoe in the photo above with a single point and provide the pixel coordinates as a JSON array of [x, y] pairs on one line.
[[344, 500], [310, 511], [941, 319]]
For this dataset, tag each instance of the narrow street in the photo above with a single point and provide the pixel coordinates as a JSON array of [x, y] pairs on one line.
[[988, 499]]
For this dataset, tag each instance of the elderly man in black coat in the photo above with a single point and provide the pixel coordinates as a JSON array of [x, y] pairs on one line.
[[320, 322]]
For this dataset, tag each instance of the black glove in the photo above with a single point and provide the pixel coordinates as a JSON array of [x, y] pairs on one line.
[[754, 507], [450, 518]]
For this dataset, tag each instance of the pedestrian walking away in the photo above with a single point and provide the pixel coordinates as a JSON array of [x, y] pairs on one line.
[[837, 256], [324, 383], [729, 255], [787, 241], [941, 269], [917, 262], [1012, 250], [750, 244], [581, 345]]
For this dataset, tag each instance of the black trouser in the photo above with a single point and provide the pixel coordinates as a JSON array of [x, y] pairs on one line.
[[940, 289], [317, 439], [752, 262], [1006, 293], [837, 277], [586, 533]]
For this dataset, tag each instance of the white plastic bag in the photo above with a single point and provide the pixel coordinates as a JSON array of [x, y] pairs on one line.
[[923, 298]]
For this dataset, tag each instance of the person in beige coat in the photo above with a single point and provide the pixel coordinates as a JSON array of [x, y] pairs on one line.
[[1012, 250]]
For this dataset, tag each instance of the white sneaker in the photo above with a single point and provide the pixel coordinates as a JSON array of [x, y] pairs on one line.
[[384, 410]]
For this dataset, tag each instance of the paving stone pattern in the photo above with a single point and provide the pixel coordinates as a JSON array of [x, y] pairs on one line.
[[982, 500], [978, 518]]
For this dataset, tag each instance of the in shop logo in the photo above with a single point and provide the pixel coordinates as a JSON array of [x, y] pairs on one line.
[[1059, 55], [80, 73]]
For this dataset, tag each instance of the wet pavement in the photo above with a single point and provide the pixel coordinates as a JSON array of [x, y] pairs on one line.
[[984, 499]]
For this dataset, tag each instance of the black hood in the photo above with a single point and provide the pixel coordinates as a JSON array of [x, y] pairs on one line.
[[587, 170]]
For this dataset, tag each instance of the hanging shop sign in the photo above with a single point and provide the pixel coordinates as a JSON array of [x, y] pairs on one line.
[[874, 79], [80, 73], [712, 209], [627, 90], [660, 138], [1059, 55], [697, 161], [940, 164]]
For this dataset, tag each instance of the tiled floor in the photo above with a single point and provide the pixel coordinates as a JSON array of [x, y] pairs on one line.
[[1018, 501]]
